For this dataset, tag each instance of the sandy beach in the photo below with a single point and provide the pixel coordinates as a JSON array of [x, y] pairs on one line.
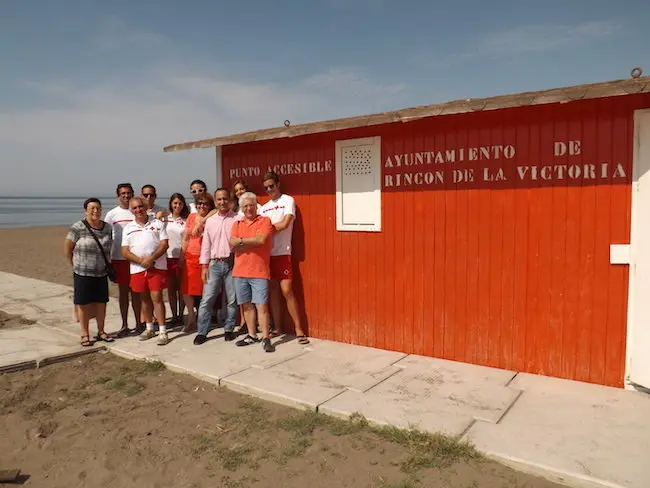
[[36, 252]]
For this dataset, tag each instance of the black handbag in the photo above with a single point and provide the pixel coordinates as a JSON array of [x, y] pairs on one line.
[[110, 269]]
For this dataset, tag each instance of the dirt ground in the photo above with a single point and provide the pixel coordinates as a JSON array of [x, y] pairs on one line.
[[103, 421]]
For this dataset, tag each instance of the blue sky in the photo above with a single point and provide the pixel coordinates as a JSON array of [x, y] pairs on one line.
[[91, 91]]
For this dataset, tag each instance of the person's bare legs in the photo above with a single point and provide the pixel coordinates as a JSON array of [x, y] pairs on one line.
[[191, 313], [100, 317], [124, 292], [263, 318], [83, 312], [174, 303], [292, 305], [146, 307], [275, 301], [136, 306], [249, 318], [158, 306]]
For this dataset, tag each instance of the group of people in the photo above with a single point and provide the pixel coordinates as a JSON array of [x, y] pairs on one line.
[[224, 248]]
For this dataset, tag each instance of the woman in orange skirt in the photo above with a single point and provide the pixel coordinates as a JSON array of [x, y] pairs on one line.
[[191, 282]]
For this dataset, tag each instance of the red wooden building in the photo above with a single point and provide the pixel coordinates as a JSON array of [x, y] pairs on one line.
[[511, 231]]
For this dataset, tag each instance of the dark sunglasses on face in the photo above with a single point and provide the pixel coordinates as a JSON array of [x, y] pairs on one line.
[[269, 187], [194, 192], [148, 195], [200, 204]]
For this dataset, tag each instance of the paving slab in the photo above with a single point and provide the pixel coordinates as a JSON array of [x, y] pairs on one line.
[[33, 342], [343, 365], [324, 370], [214, 360], [294, 390], [432, 395], [591, 434], [14, 287]]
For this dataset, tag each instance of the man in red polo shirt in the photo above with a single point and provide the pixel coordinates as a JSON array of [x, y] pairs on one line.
[[251, 243], [144, 244]]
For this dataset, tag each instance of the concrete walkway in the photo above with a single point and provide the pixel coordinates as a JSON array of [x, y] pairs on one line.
[[584, 434]]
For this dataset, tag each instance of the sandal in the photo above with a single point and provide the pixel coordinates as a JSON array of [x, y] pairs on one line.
[[85, 341], [105, 337], [123, 332], [274, 333], [302, 339]]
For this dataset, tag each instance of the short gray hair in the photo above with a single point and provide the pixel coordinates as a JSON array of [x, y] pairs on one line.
[[249, 195]]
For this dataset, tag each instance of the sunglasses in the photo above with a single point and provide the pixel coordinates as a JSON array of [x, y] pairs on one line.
[[149, 195], [194, 192], [200, 204], [269, 187]]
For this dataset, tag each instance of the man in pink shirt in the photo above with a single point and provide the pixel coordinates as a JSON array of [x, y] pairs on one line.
[[217, 262]]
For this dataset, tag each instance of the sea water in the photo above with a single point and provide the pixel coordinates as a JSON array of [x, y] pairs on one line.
[[45, 211]]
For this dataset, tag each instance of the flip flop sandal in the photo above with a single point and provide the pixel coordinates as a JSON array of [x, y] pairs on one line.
[[85, 341], [105, 337], [302, 339]]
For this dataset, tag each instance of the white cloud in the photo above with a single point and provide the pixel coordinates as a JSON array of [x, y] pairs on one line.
[[547, 37], [144, 114], [88, 135]]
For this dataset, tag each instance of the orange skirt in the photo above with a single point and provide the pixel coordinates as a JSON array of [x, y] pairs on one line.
[[191, 282]]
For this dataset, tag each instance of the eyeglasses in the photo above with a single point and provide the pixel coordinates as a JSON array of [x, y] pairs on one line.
[[200, 204], [194, 192], [148, 195], [269, 187]]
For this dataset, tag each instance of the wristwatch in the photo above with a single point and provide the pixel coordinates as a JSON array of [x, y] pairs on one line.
[[241, 241]]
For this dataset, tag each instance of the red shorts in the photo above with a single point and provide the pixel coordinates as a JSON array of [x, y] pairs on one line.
[[191, 282], [150, 280], [172, 268], [281, 268], [123, 271]]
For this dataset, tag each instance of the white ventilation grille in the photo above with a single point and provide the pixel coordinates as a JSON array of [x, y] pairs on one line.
[[358, 184], [357, 161]]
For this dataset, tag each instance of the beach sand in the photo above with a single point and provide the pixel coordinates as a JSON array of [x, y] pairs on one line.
[[36, 252]]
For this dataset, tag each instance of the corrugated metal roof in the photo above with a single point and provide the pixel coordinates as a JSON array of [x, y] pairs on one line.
[[556, 95]]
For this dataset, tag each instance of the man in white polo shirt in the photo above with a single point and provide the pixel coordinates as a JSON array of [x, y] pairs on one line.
[[281, 209], [144, 244], [118, 217], [149, 196]]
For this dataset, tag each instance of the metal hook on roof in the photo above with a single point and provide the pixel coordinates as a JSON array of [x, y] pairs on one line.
[[636, 72], [287, 123]]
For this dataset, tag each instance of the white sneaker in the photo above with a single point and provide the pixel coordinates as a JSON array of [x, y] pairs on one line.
[[163, 339], [146, 335]]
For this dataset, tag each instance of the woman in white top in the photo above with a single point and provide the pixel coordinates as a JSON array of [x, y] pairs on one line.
[[178, 212]]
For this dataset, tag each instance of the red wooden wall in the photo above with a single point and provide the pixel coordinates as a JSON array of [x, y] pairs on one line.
[[512, 274]]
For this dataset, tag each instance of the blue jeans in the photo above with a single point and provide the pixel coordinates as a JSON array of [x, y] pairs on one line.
[[219, 272]]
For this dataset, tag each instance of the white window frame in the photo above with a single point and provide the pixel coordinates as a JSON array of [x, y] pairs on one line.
[[375, 226]]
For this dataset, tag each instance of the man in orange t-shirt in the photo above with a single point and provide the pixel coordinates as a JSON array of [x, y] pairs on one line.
[[251, 242]]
